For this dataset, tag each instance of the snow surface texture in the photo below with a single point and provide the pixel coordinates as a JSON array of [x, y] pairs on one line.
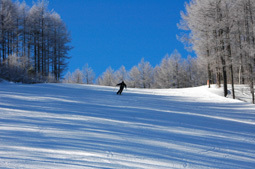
[[78, 126]]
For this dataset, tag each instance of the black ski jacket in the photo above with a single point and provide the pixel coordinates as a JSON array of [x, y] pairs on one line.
[[122, 85]]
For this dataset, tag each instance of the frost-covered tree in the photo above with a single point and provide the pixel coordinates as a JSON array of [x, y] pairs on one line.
[[196, 72], [169, 72], [134, 77], [163, 74], [15, 69], [68, 78], [121, 74], [175, 72], [35, 33], [8, 27], [146, 74], [51, 78], [107, 79], [141, 76], [222, 35], [175, 64], [77, 76], [89, 75]]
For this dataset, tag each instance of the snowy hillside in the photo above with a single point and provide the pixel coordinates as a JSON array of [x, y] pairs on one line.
[[77, 126]]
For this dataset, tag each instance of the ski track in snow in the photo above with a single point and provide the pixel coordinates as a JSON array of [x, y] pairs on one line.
[[78, 126]]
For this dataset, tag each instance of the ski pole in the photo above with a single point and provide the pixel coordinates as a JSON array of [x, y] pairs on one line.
[[114, 89]]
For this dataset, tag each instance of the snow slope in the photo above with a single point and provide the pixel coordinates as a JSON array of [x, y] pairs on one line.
[[78, 126]]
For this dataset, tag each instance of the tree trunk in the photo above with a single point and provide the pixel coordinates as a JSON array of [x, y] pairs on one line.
[[35, 56], [229, 53], [218, 79], [224, 73], [209, 75], [232, 81], [209, 72], [252, 92]]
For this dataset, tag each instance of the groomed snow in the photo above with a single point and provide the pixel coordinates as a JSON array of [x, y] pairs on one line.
[[77, 126]]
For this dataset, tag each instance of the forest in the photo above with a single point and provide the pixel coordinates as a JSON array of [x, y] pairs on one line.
[[34, 43], [222, 35], [172, 72]]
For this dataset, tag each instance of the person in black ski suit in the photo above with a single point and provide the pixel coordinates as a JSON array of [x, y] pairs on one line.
[[122, 85]]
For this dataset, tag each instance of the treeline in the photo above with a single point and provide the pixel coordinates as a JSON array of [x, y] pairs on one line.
[[222, 33], [172, 72], [34, 42]]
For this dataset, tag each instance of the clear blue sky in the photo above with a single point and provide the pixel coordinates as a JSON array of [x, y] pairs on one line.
[[120, 32]]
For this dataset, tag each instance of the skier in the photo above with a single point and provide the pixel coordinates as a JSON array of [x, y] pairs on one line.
[[122, 85]]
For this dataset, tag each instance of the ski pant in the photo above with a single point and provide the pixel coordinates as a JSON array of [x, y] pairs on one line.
[[120, 91]]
